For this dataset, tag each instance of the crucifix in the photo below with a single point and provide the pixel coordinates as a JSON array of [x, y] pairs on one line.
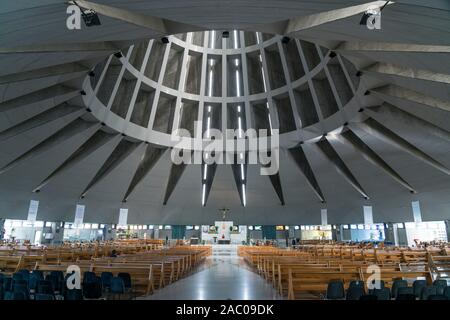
[[224, 211]]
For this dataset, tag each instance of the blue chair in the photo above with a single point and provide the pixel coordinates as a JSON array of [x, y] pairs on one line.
[[57, 280], [10, 295], [437, 297], [38, 273], [43, 296], [89, 276], [73, 294], [368, 297], [396, 285], [7, 284], [405, 297], [447, 292], [117, 287], [34, 278], [428, 291], [440, 285], [18, 276], [356, 283], [335, 290], [93, 289], [21, 286], [355, 293], [405, 290], [45, 287], [126, 280], [418, 285], [106, 279], [382, 294]]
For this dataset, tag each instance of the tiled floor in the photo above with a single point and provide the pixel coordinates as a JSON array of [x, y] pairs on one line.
[[223, 277]]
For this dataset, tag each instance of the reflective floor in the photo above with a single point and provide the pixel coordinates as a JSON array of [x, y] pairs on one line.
[[223, 277]]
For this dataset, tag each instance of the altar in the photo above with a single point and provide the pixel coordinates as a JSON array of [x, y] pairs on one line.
[[223, 233]]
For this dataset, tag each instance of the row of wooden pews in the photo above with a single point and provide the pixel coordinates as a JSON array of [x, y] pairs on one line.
[[150, 265], [306, 271]]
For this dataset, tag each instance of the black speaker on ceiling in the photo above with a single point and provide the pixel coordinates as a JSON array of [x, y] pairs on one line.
[[165, 40], [225, 34], [285, 40]]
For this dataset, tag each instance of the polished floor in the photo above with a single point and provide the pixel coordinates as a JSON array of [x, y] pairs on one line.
[[224, 276]]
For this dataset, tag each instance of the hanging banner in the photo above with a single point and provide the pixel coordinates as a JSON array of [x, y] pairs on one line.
[[324, 216], [79, 214], [32, 210], [416, 211], [368, 215], [123, 217]]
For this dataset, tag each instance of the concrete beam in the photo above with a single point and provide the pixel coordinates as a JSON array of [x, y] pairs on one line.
[[149, 159], [73, 128], [51, 71], [363, 46], [299, 157], [92, 144], [106, 46], [160, 25], [385, 70], [392, 92], [376, 129], [307, 22], [40, 119], [54, 91], [120, 153], [328, 151], [388, 110], [176, 171], [351, 139]]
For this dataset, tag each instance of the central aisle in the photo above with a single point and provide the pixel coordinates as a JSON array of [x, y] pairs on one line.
[[224, 277]]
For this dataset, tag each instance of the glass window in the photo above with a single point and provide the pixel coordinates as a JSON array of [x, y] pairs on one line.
[[87, 226], [167, 227], [353, 226], [95, 226], [197, 227], [151, 227], [102, 226], [48, 224]]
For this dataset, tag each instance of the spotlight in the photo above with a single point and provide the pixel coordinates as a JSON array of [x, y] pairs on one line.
[[91, 74], [83, 93], [118, 55], [165, 40], [88, 110], [90, 17], [332, 54], [225, 34], [285, 40], [103, 124], [37, 191], [361, 110], [345, 124], [124, 135], [367, 93]]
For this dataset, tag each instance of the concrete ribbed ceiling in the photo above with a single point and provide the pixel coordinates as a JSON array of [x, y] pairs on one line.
[[48, 137]]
